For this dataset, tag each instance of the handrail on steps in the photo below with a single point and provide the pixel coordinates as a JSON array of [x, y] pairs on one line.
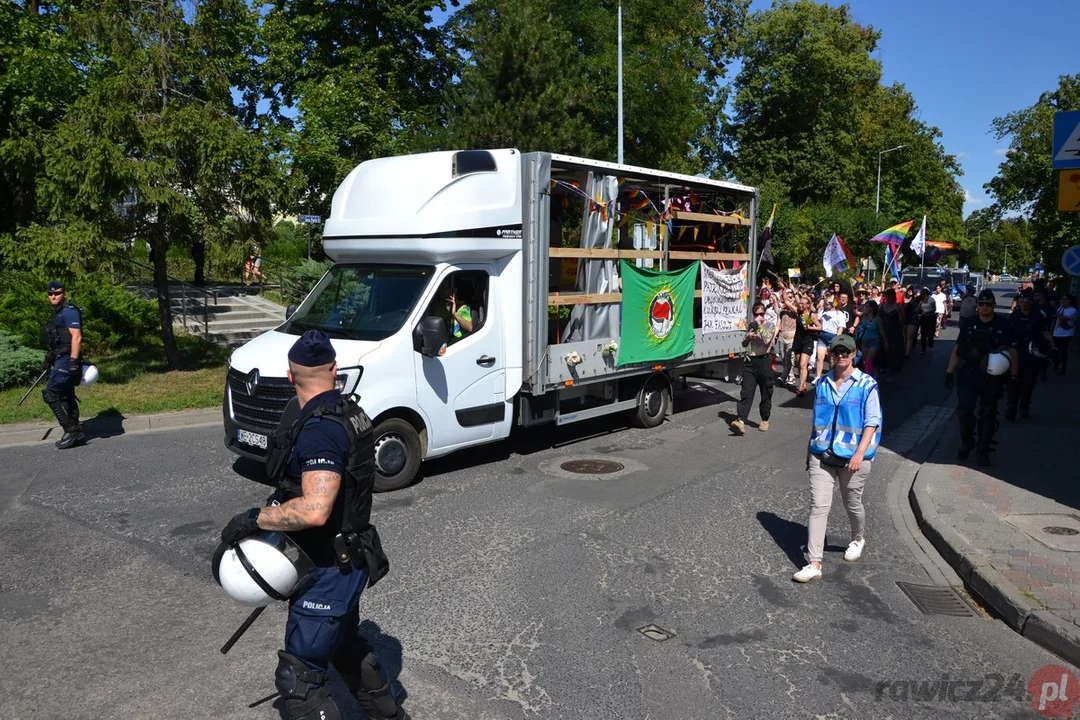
[[184, 285]]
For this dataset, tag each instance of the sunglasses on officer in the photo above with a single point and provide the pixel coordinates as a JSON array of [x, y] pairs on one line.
[[54, 293], [986, 303]]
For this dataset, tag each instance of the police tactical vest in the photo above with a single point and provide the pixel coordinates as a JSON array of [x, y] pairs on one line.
[[981, 341], [358, 481], [55, 335]]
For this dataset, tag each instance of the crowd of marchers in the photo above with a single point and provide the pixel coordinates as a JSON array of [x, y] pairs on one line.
[[840, 340]]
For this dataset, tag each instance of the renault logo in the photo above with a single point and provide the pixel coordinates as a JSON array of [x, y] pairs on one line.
[[252, 382]]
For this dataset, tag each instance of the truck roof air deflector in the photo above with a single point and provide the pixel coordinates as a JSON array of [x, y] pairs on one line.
[[467, 162]]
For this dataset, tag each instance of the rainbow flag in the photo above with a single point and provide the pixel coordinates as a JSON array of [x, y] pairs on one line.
[[894, 235]]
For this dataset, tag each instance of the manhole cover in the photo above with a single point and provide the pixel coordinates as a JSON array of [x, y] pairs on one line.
[[592, 467], [937, 600], [655, 632], [1059, 530]]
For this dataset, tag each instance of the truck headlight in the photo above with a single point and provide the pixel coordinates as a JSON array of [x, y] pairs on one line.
[[348, 379]]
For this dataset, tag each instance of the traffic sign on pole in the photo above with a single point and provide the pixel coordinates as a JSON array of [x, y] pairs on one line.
[[1070, 261], [1069, 190], [311, 219], [1065, 151]]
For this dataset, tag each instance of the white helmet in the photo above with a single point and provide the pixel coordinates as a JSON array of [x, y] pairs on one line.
[[260, 568], [1037, 350], [89, 374], [997, 363]]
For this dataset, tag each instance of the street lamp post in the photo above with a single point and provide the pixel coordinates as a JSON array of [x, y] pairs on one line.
[[877, 202]]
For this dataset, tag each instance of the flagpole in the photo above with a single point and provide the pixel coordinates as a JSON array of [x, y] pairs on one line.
[[620, 88]]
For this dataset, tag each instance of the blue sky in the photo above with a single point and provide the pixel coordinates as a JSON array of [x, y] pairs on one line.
[[969, 61]]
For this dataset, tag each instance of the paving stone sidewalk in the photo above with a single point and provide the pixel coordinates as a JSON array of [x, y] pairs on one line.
[[1012, 530]]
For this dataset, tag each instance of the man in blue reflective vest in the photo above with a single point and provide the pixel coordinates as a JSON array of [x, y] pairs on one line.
[[845, 437]]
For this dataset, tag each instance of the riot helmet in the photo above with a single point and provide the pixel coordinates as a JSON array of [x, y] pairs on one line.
[[260, 568], [1038, 348], [997, 363], [89, 374]]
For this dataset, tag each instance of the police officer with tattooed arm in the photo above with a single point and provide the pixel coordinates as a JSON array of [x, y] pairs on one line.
[[324, 462], [62, 334], [984, 355]]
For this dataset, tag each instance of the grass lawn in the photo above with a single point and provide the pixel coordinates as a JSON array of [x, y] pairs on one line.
[[134, 381]]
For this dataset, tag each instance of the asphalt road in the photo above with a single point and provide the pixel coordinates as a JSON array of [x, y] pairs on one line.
[[516, 590]]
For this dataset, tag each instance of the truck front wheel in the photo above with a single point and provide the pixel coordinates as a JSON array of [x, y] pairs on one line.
[[653, 403], [397, 454]]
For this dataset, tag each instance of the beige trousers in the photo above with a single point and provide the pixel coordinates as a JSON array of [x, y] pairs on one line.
[[822, 481]]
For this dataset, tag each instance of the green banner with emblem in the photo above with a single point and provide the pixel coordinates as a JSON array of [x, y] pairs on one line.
[[657, 313]]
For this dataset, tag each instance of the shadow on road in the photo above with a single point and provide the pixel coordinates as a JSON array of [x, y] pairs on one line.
[[790, 537], [106, 424]]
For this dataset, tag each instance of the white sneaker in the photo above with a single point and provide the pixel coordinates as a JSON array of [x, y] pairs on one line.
[[807, 574], [854, 550], [738, 426]]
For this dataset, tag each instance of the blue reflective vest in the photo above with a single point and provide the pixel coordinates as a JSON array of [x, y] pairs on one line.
[[841, 426]]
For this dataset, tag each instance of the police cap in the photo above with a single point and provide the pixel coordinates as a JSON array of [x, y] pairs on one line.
[[313, 349], [987, 294], [1025, 294], [55, 285]]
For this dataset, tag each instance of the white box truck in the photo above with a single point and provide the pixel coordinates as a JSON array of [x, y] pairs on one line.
[[522, 250]]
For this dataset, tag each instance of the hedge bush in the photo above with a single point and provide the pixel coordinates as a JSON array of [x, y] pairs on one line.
[[112, 317], [301, 278], [18, 365]]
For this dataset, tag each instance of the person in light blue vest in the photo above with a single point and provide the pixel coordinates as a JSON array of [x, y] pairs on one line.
[[844, 440]]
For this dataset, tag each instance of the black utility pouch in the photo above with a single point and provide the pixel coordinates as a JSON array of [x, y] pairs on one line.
[[362, 550], [832, 460]]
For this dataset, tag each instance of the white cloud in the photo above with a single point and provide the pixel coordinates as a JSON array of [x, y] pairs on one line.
[[960, 155], [970, 199], [1002, 152]]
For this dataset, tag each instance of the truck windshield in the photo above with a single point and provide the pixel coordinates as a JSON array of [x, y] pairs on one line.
[[361, 302]]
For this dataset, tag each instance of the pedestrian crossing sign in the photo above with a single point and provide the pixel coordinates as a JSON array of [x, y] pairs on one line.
[[1065, 153]]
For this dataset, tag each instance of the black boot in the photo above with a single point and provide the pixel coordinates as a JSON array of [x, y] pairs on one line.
[[371, 687], [69, 421]]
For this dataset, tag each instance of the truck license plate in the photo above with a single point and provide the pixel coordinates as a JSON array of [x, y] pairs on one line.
[[250, 438]]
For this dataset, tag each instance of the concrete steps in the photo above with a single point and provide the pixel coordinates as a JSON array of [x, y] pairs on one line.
[[232, 314]]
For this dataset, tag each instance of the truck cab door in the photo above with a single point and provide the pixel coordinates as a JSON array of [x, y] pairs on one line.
[[462, 391]]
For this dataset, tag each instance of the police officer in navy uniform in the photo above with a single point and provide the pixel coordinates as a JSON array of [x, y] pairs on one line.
[[63, 336], [1029, 327], [978, 392], [325, 465]]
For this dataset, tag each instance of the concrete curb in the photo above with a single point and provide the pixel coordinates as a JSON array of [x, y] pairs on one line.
[[983, 581], [33, 433]]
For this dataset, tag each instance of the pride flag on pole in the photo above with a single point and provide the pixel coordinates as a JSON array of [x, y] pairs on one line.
[[894, 235], [837, 256], [918, 243], [892, 261]]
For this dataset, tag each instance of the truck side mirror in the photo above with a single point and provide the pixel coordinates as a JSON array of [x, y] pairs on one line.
[[432, 336], [290, 310]]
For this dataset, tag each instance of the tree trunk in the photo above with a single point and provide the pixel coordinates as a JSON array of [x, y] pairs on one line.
[[161, 284]]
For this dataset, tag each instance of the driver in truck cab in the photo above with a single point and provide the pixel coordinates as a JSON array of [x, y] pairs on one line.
[[458, 314]]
